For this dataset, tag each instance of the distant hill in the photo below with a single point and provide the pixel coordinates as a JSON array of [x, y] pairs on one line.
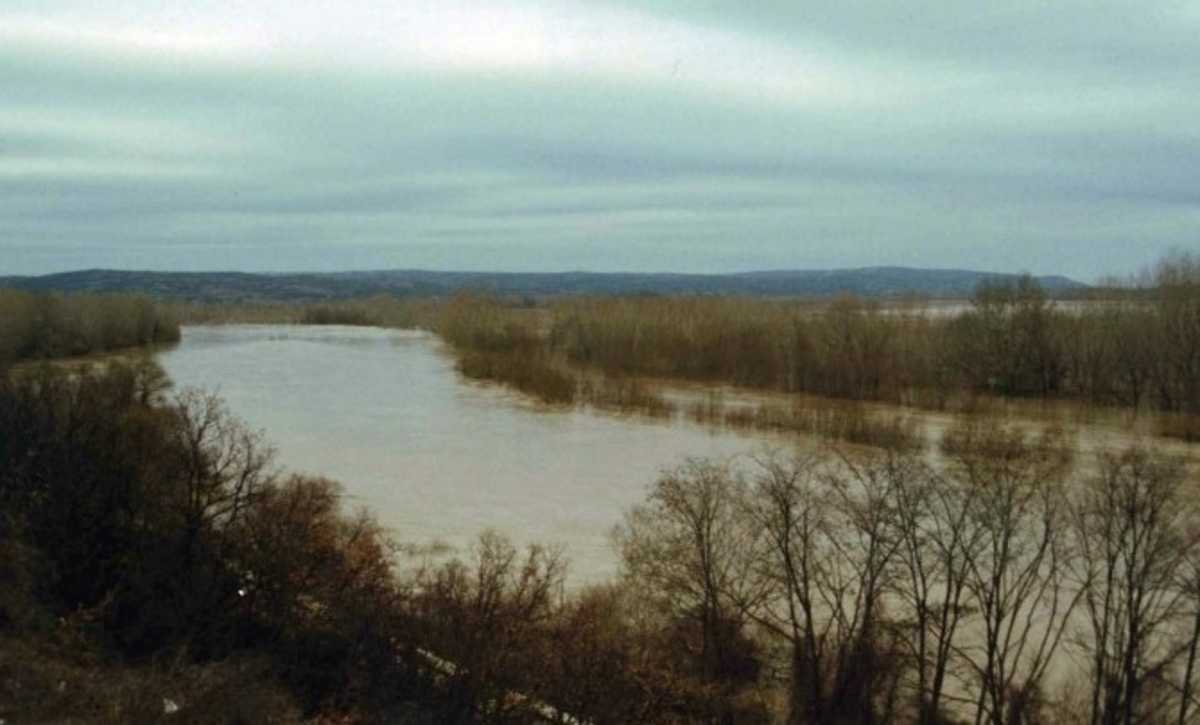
[[238, 286]]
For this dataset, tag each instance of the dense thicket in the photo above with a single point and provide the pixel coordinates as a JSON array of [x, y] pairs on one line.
[[42, 326]]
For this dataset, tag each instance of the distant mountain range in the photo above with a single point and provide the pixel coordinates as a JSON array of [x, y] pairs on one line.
[[238, 286]]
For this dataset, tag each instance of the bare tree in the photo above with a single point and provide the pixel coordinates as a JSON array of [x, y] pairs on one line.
[[1178, 311], [218, 470], [482, 619], [1189, 580], [222, 464], [1131, 529], [828, 538], [1133, 336], [1015, 574], [689, 546], [788, 509], [938, 544]]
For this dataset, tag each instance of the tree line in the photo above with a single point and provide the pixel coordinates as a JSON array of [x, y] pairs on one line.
[[375, 311], [37, 326], [1138, 349]]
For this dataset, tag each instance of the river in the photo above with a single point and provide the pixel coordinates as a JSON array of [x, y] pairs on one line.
[[435, 457]]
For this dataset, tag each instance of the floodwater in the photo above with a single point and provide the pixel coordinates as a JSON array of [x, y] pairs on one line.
[[435, 457]]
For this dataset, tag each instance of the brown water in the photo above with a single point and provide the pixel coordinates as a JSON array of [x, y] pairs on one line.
[[435, 457]]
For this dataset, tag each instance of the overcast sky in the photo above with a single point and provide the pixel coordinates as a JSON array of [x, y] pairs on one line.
[[703, 136]]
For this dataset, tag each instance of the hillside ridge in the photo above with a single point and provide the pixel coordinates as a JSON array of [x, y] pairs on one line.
[[309, 286]]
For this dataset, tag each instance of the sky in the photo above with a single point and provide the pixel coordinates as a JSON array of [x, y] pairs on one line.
[[649, 135]]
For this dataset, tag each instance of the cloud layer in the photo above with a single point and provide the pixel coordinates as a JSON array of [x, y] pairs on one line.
[[607, 136]]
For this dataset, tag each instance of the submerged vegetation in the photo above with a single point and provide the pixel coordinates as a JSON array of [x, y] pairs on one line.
[[1129, 348]]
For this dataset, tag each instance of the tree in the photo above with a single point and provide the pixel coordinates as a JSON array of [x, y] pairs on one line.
[[689, 548], [938, 545], [315, 588], [482, 620], [1134, 532], [1016, 571], [828, 538], [787, 507], [1178, 309]]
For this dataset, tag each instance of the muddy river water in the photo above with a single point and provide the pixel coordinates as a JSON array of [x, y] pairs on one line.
[[436, 457]]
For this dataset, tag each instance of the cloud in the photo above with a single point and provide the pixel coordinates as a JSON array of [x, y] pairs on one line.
[[538, 135]]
